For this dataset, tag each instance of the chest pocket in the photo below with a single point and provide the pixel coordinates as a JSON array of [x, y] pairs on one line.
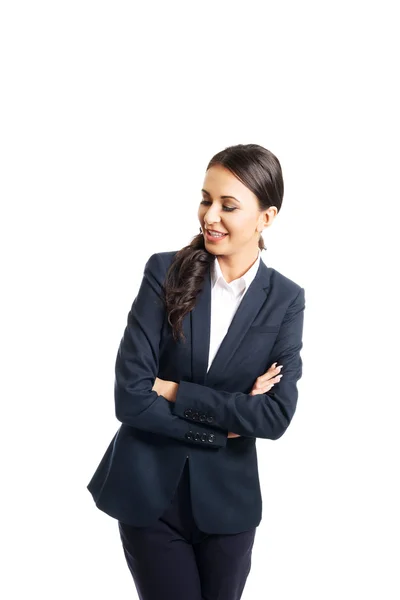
[[256, 347], [264, 329]]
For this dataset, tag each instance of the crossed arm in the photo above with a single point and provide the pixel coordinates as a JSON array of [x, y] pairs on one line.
[[265, 382], [169, 389], [139, 403]]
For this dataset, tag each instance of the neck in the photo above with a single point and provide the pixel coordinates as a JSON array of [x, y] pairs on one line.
[[234, 266]]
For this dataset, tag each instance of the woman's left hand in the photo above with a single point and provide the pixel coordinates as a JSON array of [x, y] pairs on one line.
[[165, 388]]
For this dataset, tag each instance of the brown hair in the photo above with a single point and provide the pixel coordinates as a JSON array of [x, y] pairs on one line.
[[260, 171]]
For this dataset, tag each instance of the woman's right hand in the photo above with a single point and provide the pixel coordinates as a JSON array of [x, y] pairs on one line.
[[265, 382]]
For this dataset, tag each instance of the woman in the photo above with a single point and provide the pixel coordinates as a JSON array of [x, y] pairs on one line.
[[193, 391]]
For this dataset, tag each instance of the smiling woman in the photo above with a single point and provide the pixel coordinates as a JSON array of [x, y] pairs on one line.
[[242, 194], [208, 362]]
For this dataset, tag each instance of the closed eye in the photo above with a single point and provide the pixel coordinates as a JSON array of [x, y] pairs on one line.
[[226, 208]]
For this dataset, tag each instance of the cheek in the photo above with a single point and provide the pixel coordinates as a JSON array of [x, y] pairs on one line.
[[250, 224], [241, 226]]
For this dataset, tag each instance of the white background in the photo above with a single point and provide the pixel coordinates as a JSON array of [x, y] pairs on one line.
[[110, 112]]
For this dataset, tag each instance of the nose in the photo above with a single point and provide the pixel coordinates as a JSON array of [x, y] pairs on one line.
[[211, 216]]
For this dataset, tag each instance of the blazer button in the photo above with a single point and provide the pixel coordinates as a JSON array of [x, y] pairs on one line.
[[197, 436], [189, 435], [188, 412], [204, 437], [210, 419], [211, 438], [202, 417]]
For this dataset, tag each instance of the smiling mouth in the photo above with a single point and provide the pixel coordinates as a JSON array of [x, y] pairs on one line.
[[211, 231], [215, 235]]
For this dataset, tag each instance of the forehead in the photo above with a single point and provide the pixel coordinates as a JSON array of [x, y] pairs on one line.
[[220, 181]]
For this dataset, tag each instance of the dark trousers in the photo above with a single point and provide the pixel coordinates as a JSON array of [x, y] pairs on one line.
[[174, 560]]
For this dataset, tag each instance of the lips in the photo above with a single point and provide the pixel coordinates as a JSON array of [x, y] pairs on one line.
[[215, 231]]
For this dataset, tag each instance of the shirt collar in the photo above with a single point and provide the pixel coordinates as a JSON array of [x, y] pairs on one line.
[[237, 286]]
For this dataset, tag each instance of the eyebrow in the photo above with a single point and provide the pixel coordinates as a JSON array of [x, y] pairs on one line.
[[222, 197]]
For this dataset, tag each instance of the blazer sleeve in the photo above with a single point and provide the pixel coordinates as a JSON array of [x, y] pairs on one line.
[[262, 415], [136, 368]]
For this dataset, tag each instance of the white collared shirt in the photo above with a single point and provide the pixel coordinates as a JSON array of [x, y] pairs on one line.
[[225, 300]]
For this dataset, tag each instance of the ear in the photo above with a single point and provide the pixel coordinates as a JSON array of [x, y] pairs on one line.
[[266, 218]]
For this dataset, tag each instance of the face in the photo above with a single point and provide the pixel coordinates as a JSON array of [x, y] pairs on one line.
[[229, 207]]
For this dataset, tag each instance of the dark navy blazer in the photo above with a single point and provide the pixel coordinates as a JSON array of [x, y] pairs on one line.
[[138, 474]]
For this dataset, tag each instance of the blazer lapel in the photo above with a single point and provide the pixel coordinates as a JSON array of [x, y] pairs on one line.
[[200, 317], [248, 309]]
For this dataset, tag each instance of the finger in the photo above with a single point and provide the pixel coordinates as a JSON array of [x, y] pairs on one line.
[[260, 384], [273, 371], [264, 381], [269, 375]]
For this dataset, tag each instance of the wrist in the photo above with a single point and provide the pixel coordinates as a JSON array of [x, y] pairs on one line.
[[173, 390], [169, 391]]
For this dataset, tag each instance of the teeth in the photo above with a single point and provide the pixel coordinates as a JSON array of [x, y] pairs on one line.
[[216, 234]]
